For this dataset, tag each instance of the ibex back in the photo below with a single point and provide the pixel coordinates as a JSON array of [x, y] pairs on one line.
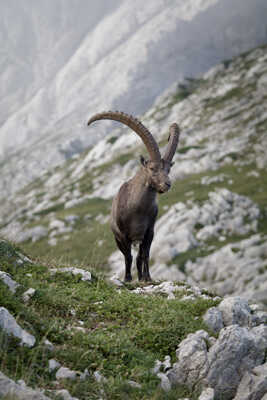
[[134, 208]]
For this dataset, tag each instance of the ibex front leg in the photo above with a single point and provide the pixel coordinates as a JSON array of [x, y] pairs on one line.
[[125, 248], [142, 260]]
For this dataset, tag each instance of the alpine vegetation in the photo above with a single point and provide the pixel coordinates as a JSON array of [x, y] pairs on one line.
[[134, 208]]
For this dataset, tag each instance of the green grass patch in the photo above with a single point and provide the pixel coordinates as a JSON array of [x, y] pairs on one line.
[[51, 209], [229, 96], [112, 139], [124, 332], [122, 159], [184, 150]]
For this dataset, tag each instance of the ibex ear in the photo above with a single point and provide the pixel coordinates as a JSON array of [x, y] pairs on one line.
[[143, 161]]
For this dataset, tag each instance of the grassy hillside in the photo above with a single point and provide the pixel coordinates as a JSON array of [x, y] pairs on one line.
[[95, 326]]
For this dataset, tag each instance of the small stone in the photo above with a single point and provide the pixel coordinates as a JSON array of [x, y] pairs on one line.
[[79, 328], [115, 281], [213, 318], [66, 373], [21, 382], [84, 375], [157, 367], [99, 378], [134, 384], [53, 364], [86, 275], [167, 363], [207, 394], [56, 224], [262, 317], [49, 345], [71, 219], [6, 278], [235, 310], [165, 384], [28, 295], [64, 395]]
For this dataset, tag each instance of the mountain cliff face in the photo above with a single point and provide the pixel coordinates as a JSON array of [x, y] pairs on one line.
[[211, 229], [61, 64]]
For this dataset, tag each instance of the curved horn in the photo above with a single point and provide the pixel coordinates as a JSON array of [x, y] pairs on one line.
[[172, 142], [136, 126]]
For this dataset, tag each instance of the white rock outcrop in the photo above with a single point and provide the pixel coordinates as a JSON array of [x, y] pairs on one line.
[[237, 269], [233, 365]]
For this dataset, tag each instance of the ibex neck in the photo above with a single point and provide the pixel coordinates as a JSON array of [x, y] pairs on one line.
[[142, 194]]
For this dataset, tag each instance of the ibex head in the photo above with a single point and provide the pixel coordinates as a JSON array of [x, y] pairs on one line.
[[156, 169], [157, 174]]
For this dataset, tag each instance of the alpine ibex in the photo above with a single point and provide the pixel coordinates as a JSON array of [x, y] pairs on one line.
[[134, 208]]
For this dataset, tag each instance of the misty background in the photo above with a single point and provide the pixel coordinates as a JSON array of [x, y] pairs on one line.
[[63, 61]]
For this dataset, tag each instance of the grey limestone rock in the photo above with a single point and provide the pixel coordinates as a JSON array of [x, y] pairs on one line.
[[28, 294], [213, 318], [134, 384], [99, 377], [235, 310], [36, 233], [253, 385], [165, 383], [86, 275], [207, 394], [192, 364], [219, 364], [20, 392], [53, 364], [235, 352], [66, 373], [64, 395], [6, 278], [10, 326]]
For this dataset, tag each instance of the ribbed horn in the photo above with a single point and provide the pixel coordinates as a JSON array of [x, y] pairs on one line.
[[136, 126], [172, 142]]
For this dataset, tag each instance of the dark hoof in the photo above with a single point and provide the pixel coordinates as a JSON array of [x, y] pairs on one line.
[[148, 279], [128, 278]]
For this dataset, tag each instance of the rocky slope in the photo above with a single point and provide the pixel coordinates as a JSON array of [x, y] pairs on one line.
[[67, 333], [211, 229], [62, 62]]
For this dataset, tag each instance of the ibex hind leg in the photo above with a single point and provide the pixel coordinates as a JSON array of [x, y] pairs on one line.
[[142, 260], [125, 248], [139, 265]]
